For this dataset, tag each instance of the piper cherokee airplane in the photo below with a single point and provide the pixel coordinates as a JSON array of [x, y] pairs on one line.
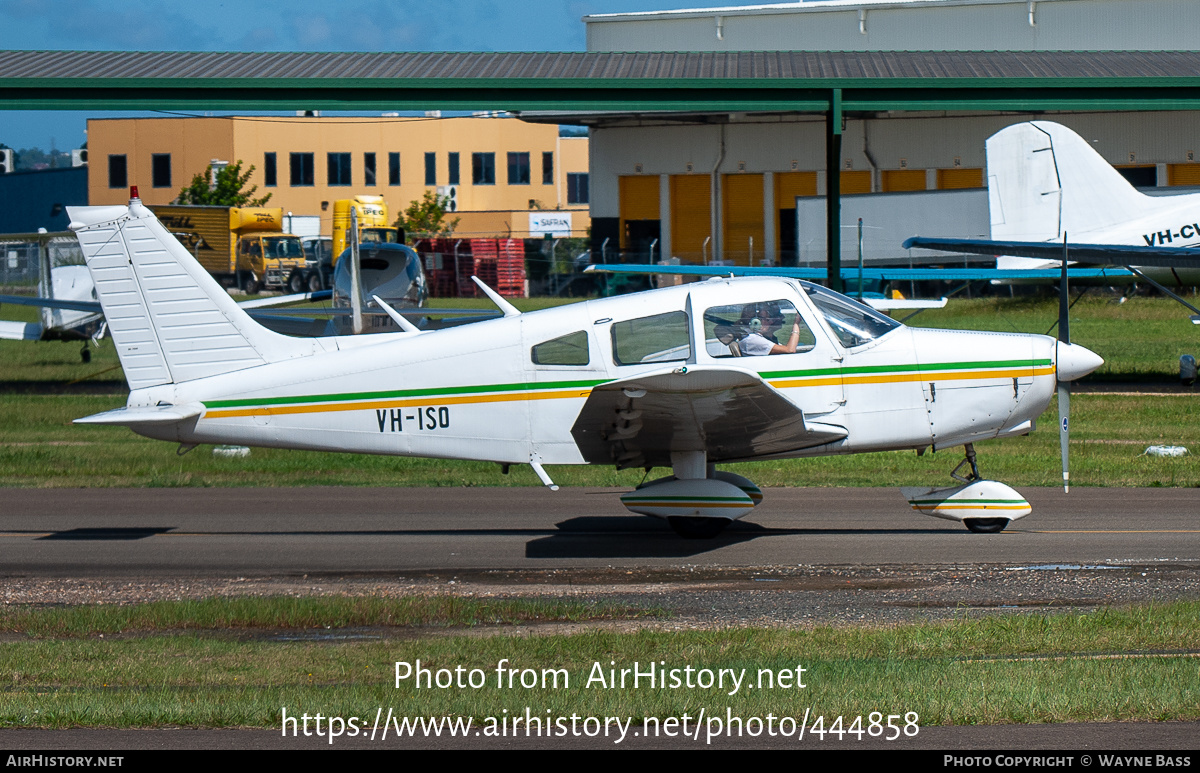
[[668, 377]]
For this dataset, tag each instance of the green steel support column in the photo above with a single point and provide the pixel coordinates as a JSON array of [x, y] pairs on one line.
[[833, 189]]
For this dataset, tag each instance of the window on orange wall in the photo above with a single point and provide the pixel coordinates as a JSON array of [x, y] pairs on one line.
[[393, 168], [118, 175], [368, 168], [160, 170], [483, 168], [518, 169], [301, 169], [339, 169]]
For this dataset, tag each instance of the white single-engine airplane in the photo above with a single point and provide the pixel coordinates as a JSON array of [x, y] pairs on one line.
[[666, 377]]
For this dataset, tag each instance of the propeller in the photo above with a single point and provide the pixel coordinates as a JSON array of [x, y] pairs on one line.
[[1064, 387]]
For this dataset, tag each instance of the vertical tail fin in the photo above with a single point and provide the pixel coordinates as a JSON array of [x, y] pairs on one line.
[[170, 320], [1044, 179]]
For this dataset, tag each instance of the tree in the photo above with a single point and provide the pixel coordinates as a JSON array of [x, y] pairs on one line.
[[228, 192], [426, 217]]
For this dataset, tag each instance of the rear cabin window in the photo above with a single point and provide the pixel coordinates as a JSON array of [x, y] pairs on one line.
[[571, 349], [661, 338]]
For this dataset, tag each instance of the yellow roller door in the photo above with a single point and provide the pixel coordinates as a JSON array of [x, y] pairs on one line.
[[896, 180], [959, 178], [789, 185], [1183, 174], [743, 217], [639, 200], [691, 201]]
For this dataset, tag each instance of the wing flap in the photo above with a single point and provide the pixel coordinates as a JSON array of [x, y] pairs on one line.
[[727, 412]]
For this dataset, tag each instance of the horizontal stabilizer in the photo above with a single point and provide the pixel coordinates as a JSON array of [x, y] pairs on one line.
[[20, 331], [144, 414]]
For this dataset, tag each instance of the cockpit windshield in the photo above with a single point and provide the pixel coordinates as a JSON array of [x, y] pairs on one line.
[[853, 323]]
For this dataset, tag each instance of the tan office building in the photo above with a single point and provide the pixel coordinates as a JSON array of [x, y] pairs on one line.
[[498, 170]]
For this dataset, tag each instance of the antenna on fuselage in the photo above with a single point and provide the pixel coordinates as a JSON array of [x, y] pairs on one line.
[[504, 306]]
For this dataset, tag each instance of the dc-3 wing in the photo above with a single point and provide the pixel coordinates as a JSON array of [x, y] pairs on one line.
[[728, 412], [1097, 254]]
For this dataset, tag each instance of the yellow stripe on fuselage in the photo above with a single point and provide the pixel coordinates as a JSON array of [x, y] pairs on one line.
[[282, 410], [884, 378], [898, 378]]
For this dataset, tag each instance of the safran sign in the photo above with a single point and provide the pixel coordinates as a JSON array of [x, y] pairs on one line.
[[553, 223]]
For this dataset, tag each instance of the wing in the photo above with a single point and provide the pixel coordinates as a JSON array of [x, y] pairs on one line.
[[728, 412], [948, 274], [1098, 254]]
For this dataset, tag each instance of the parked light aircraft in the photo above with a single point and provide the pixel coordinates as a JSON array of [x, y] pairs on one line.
[[75, 313], [644, 380]]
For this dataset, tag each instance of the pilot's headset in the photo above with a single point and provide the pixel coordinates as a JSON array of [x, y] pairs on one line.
[[757, 314]]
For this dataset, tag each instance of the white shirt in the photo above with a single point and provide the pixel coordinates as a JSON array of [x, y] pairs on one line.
[[755, 345]]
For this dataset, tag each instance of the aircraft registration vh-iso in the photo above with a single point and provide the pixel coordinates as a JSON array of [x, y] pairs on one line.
[[688, 377]]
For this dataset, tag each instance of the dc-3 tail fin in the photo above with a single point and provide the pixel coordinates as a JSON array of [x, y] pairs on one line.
[[170, 320], [1044, 179]]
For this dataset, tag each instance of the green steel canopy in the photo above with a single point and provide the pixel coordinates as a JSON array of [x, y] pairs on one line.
[[646, 81]]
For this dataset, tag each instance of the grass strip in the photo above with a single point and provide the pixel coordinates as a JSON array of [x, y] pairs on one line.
[[300, 613], [965, 671]]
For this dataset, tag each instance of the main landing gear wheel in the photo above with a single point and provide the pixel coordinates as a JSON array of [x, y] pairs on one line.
[[691, 527], [252, 285], [985, 525], [85, 354]]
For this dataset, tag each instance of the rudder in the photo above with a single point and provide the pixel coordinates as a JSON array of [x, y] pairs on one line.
[[170, 320]]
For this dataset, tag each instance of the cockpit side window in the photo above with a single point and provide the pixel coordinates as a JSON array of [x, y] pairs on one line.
[[571, 349], [853, 323], [756, 328], [660, 338]]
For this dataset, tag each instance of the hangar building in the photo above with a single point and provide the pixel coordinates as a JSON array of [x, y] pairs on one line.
[[736, 187], [501, 172]]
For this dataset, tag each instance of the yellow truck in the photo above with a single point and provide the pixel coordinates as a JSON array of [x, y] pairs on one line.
[[240, 246], [373, 225]]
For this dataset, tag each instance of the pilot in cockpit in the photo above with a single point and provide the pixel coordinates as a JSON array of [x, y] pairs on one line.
[[760, 322]]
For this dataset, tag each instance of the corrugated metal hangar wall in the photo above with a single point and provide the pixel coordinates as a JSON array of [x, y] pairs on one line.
[[887, 25]]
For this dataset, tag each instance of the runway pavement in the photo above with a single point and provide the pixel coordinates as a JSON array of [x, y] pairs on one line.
[[218, 532]]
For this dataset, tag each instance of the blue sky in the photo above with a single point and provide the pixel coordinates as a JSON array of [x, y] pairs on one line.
[[295, 25]]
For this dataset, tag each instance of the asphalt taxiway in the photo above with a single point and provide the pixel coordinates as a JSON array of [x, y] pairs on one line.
[[219, 532]]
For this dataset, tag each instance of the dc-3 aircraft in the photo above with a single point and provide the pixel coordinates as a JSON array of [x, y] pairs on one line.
[[1046, 185], [687, 377]]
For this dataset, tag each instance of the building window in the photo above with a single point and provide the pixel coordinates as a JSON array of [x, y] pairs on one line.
[[483, 168], [393, 168], [302, 169], [117, 175], [368, 168], [452, 158], [577, 188], [431, 168], [270, 172], [160, 170], [518, 169], [548, 168], [339, 168]]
